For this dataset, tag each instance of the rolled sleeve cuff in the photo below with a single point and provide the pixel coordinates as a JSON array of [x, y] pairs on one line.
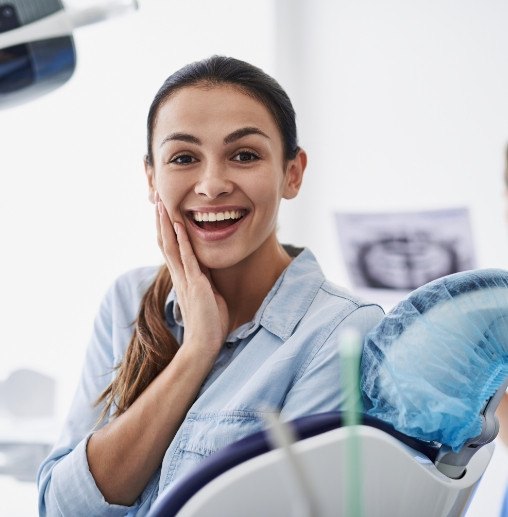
[[76, 492]]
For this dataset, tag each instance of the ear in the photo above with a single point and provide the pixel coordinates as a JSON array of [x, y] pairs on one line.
[[294, 175], [150, 176]]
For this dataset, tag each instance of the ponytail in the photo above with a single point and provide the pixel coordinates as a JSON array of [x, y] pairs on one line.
[[151, 349]]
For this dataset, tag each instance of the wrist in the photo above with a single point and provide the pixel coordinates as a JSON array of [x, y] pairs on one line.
[[196, 355]]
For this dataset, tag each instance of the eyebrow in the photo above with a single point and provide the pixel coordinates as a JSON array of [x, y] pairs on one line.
[[232, 137], [244, 131], [182, 137]]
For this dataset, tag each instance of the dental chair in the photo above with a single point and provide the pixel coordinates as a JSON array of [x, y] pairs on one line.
[[432, 374]]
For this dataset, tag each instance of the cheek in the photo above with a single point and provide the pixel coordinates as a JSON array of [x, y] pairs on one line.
[[265, 187], [267, 201], [171, 194]]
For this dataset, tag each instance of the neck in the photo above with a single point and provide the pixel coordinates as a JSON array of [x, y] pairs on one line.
[[245, 285]]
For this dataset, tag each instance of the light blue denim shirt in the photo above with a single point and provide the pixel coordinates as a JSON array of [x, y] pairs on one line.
[[286, 359]]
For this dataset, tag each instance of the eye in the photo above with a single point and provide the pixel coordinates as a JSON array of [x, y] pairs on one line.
[[183, 159], [245, 156]]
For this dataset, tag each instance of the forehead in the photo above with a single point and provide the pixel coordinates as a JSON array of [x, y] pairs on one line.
[[223, 107]]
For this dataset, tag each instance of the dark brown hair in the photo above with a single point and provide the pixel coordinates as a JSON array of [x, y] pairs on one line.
[[152, 345]]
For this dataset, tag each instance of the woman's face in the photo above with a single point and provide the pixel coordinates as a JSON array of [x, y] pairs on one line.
[[218, 167]]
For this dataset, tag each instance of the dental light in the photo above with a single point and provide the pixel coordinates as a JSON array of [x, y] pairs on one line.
[[37, 51]]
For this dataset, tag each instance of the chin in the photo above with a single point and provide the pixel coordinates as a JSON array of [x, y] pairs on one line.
[[218, 258]]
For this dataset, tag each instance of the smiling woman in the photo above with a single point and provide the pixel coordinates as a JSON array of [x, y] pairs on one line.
[[186, 358]]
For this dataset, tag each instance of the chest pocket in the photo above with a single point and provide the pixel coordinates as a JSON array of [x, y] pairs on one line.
[[206, 433]]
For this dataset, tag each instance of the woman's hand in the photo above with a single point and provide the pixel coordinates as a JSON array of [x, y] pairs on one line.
[[204, 310]]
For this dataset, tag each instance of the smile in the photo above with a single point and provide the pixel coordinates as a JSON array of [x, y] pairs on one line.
[[213, 221]]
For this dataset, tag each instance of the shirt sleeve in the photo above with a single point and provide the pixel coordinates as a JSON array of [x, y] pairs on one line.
[[66, 486], [318, 388]]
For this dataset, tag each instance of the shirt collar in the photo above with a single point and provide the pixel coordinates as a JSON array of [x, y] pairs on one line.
[[283, 307]]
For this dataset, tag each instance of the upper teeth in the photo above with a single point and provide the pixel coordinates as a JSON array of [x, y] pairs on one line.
[[217, 216]]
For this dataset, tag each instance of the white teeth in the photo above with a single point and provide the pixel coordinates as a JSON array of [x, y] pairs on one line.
[[217, 216]]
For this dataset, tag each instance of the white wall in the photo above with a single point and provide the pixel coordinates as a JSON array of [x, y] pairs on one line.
[[402, 105]]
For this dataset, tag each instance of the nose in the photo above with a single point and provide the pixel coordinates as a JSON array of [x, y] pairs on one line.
[[213, 182]]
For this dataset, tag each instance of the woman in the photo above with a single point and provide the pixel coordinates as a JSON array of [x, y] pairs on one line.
[[233, 325]]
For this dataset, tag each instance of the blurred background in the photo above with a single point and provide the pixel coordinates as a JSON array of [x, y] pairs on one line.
[[401, 106]]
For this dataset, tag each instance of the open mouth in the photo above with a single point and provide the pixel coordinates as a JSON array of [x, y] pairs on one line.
[[213, 221]]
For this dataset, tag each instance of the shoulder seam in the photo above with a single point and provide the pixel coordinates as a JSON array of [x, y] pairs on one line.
[[336, 322]]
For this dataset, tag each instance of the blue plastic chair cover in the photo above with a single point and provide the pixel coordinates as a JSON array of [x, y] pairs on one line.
[[437, 357]]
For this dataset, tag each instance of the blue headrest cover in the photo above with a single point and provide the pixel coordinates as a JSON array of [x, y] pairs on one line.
[[433, 361]]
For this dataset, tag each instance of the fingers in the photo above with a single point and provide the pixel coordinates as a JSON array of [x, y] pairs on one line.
[[175, 245], [189, 261], [158, 223]]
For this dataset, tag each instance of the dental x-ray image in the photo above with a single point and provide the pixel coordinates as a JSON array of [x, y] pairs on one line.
[[405, 250]]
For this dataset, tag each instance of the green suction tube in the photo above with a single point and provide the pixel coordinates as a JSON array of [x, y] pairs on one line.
[[350, 351]]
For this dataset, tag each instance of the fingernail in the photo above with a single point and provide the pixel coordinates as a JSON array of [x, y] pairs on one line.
[[159, 206], [175, 226]]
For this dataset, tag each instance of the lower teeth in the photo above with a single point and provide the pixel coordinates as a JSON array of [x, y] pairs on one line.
[[216, 225]]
